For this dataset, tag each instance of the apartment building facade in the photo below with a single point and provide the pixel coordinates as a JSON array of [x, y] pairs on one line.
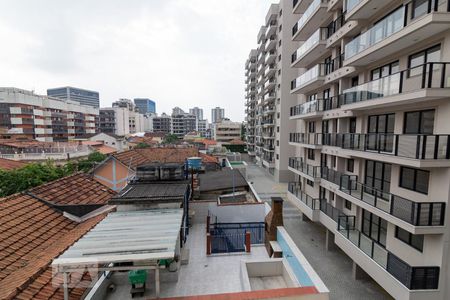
[[23, 114], [145, 105], [217, 114], [183, 124], [371, 137], [268, 96], [121, 119], [162, 123], [370, 133], [226, 131]]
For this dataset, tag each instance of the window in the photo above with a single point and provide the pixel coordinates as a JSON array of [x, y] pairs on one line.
[[279, 43], [419, 8], [414, 179], [278, 128], [311, 127], [310, 183], [419, 122], [333, 161], [350, 165], [378, 176], [278, 157], [278, 115], [278, 143], [385, 70], [311, 154], [279, 57], [348, 205], [281, 13], [355, 81], [417, 60], [374, 227], [414, 240]]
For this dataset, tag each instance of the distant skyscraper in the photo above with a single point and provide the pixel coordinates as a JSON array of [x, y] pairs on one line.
[[84, 97], [198, 112], [145, 105], [177, 111], [217, 114]]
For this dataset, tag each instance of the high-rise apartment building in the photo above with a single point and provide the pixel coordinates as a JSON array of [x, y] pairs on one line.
[[145, 105], [217, 114], [370, 134], [268, 95], [198, 112], [84, 97], [23, 114], [122, 118], [177, 111]]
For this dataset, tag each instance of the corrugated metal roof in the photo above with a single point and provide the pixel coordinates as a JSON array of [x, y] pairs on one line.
[[221, 180], [152, 193], [132, 236]]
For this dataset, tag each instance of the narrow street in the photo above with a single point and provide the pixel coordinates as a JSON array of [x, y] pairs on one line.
[[334, 267]]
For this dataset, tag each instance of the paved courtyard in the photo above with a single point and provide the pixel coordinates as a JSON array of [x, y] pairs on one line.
[[334, 267]]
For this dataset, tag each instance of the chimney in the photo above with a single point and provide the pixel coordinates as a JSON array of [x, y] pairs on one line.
[[273, 219]]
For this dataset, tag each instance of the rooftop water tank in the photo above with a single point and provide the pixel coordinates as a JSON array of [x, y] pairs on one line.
[[194, 163]]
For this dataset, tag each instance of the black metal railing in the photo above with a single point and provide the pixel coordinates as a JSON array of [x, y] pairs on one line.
[[298, 164], [414, 213], [335, 25], [429, 75], [330, 210], [305, 138]]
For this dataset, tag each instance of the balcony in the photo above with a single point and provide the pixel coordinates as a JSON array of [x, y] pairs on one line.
[[337, 70], [363, 9], [305, 203], [339, 28], [298, 166], [417, 214], [393, 34], [307, 140], [270, 57], [310, 80], [396, 276], [299, 6], [270, 43], [308, 109], [313, 17], [269, 97], [422, 83], [313, 49], [406, 149], [270, 70], [270, 123], [270, 84]]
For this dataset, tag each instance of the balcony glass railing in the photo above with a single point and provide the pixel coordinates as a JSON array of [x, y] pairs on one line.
[[305, 138], [306, 15], [298, 164], [429, 75], [295, 189], [330, 210], [312, 74], [380, 31], [317, 105], [414, 213], [311, 42], [413, 278], [332, 176]]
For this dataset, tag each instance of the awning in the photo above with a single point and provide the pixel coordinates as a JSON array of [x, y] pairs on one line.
[[142, 237]]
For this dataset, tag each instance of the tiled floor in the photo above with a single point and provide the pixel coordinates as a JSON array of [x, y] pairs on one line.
[[333, 267]]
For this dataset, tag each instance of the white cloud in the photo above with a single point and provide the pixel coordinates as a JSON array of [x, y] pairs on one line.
[[178, 52]]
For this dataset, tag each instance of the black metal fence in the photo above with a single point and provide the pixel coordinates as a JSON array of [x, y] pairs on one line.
[[230, 237]]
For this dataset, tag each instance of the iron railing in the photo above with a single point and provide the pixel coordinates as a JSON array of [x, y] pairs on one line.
[[295, 189], [299, 164]]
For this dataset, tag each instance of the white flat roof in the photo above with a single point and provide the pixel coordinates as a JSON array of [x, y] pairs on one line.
[[132, 236]]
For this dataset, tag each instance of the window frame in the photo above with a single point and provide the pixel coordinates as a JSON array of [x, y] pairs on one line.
[[414, 188], [421, 112], [410, 237]]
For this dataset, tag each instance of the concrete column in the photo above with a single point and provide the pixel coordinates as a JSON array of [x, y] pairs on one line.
[[305, 218], [329, 241], [358, 273], [247, 242], [208, 244], [157, 282]]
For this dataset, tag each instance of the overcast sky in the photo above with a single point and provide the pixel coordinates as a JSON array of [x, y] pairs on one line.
[[178, 52]]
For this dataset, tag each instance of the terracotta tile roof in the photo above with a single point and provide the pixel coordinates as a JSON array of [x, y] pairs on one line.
[[103, 149], [208, 142], [208, 158], [77, 189], [137, 157], [237, 142], [7, 164], [32, 234]]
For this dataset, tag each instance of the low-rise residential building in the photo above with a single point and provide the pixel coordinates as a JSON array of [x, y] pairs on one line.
[[9, 164], [226, 131], [23, 114], [111, 140]]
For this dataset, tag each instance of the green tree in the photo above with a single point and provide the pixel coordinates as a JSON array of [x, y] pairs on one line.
[[170, 139], [142, 146]]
